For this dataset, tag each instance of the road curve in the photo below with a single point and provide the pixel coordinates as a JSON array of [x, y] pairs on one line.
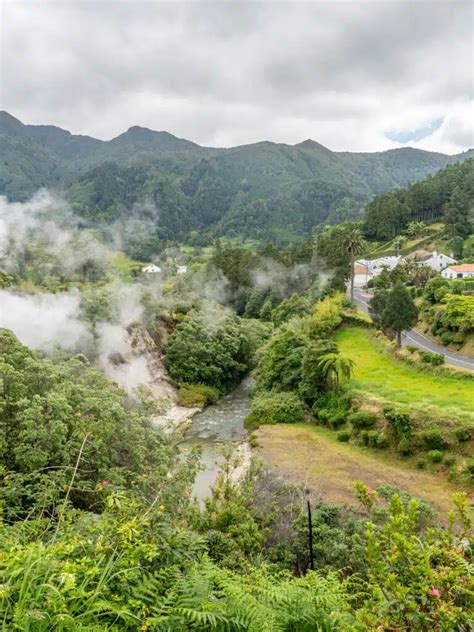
[[412, 337]]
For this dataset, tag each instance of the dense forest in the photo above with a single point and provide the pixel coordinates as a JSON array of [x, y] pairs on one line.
[[181, 191]]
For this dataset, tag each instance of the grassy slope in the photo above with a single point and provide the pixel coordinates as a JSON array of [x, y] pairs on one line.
[[381, 376], [312, 455]]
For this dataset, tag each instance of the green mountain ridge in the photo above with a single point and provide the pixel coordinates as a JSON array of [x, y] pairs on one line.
[[264, 190]]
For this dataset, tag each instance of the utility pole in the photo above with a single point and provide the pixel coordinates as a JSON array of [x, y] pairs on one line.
[[310, 537]]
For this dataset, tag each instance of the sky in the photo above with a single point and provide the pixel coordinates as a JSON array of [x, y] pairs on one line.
[[356, 76]]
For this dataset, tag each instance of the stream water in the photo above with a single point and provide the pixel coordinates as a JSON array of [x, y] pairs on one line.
[[215, 426]]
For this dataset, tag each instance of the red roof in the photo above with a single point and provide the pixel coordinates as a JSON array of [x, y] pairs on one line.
[[464, 267]]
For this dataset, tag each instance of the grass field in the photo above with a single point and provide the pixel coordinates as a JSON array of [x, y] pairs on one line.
[[375, 372], [312, 456]]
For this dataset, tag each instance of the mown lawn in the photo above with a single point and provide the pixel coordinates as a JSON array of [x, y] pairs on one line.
[[312, 456], [378, 374]]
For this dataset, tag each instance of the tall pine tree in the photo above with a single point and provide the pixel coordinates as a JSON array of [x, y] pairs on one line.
[[456, 214], [400, 311]]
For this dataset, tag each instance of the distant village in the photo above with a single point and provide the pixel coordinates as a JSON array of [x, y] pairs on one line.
[[367, 269]]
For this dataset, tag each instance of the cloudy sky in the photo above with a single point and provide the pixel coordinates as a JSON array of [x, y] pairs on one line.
[[352, 75]]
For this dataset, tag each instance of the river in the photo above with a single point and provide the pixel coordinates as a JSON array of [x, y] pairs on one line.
[[214, 427]]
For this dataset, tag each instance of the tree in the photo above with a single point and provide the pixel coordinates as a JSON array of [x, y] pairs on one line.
[[400, 312], [354, 244], [336, 367], [456, 214], [399, 242]]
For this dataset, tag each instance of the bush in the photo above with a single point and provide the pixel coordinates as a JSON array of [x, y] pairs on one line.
[[197, 395], [404, 447], [362, 420], [273, 408], [382, 441], [412, 349], [372, 438], [343, 435], [364, 437], [433, 440], [449, 460], [470, 467], [337, 421], [434, 359], [446, 338], [436, 456], [462, 434], [400, 422], [420, 464]]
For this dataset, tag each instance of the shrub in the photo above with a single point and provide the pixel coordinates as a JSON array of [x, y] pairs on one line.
[[337, 421], [400, 422], [446, 338], [436, 456], [197, 395], [449, 460], [433, 440], [382, 441], [253, 442], [362, 420], [462, 434], [364, 437], [404, 447], [420, 464], [412, 349], [470, 467], [343, 435], [372, 438], [323, 414], [434, 359], [272, 408]]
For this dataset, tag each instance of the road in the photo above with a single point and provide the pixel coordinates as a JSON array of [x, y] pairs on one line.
[[412, 337]]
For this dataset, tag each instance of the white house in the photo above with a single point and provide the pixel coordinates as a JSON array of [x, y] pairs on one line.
[[437, 261], [181, 269], [151, 268], [361, 274], [463, 271], [375, 266]]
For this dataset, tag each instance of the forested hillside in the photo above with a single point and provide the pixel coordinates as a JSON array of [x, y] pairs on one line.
[[278, 191], [448, 195]]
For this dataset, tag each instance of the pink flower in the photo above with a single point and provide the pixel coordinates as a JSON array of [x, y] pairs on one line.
[[458, 550], [434, 592], [105, 483]]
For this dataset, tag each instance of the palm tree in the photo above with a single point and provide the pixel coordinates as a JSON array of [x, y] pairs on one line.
[[336, 367], [354, 244], [399, 242]]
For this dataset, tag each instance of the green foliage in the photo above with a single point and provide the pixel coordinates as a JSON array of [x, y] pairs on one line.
[[337, 421], [272, 408], [405, 447], [400, 313], [429, 357], [313, 379], [51, 415], [197, 395], [208, 348], [400, 422], [420, 464], [436, 456], [343, 435], [362, 420], [294, 305], [447, 194], [326, 316], [433, 439], [462, 434]]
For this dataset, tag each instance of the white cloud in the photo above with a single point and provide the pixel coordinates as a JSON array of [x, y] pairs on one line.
[[227, 73]]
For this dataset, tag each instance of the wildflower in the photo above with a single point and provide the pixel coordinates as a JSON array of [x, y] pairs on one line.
[[458, 550], [105, 483], [434, 592], [187, 493], [162, 508], [77, 414]]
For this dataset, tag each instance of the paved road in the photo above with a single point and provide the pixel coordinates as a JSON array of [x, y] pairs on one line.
[[412, 337]]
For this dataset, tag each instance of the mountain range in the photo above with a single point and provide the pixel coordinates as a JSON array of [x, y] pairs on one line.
[[185, 191]]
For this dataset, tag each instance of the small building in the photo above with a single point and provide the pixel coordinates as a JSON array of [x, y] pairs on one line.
[[437, 261], [462, 271], [181, 269], [375, 266], [361, 274], [151, 268]]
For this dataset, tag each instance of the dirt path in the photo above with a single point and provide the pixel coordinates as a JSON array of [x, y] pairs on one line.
[[312, 456]]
